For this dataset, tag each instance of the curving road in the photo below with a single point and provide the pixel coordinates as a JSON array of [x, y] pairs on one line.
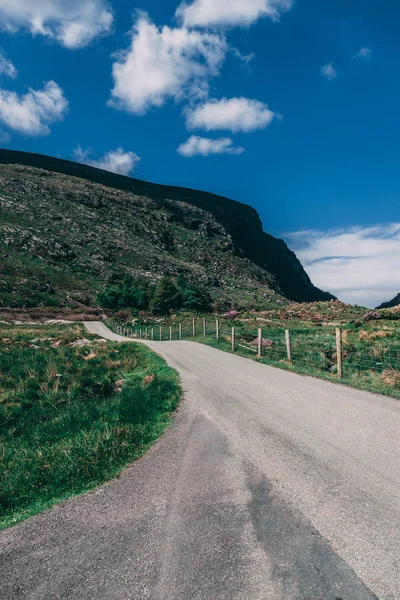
[[269, 486]]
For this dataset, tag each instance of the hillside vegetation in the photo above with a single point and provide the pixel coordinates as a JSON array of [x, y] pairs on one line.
[[67, 231]]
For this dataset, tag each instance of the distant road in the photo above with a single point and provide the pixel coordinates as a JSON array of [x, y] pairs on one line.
[[269, 486]]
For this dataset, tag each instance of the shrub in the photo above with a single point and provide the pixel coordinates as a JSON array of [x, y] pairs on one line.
[[192, 296], [166, 297], [128, 294]]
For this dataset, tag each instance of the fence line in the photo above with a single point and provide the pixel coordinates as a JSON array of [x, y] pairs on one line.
[[326, 349]]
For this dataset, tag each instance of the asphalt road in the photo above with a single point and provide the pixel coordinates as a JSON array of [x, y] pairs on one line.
[[269, 486]]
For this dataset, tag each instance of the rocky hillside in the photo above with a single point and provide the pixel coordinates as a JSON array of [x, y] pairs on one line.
[[392, 303], [67, 229]]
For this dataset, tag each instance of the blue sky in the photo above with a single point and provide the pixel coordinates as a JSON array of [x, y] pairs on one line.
[[290, 106]]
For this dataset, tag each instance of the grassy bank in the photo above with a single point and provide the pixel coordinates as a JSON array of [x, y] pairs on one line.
[[73, 413]]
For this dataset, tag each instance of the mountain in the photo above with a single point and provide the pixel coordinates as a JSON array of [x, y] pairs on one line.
[[67, 229], [391, 304]]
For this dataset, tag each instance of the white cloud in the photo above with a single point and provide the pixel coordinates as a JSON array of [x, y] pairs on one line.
[[234, 114], [364, 54], [329, 72], [7, 67], [115, 161], [33, 112], [230, 13], [73, 23], [205, 147], [358, 265], [246, 59], [163, 64]]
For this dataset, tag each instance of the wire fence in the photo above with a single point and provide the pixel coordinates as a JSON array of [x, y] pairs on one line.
[[327, 350]]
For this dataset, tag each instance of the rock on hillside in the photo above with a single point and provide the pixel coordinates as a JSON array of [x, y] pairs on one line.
[[66, 229], [391, 304]]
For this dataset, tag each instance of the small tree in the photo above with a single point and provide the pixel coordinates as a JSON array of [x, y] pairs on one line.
[[193, 297], [109, 298], [129, 294], [166, 297]]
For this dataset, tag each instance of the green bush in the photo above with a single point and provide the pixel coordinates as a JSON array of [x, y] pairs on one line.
[[166, 297], [129, 294], [192, 296]]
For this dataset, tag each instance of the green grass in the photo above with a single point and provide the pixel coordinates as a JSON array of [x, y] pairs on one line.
[[363, 368], [72, 417], [367, 380]]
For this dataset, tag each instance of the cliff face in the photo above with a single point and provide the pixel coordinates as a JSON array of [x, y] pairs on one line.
[[391, 303], [67, 228]]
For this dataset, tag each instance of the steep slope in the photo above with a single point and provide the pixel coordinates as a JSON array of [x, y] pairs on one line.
[[391, 304], [66, 228]]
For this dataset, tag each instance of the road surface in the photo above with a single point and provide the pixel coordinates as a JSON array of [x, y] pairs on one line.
[[268, 486]]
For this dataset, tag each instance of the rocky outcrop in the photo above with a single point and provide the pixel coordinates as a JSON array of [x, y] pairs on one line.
[[391, 304]]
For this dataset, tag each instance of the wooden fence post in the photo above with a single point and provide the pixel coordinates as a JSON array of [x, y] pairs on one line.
[[288, 345], [259, 343], [204, 327], [194, 327], [180, 331], [140, 333], [147, 333], [233, 339], [170, 333], [152, 333], [160, 334], [339, 352], [217, 329]]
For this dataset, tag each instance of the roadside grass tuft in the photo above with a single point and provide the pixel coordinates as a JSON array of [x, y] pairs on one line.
[[71, 417]]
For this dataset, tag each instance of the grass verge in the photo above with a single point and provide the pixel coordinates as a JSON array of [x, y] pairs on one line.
[[72, 415], [370, 381]]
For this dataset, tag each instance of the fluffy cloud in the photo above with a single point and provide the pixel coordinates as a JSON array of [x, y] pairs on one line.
[[115, 161], [230, 13], [359, 265], [329, 72], [32, 113], [164, 63], [73, 23], [364, 54], [234, 114], [205, 147], [6, 67]]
